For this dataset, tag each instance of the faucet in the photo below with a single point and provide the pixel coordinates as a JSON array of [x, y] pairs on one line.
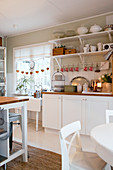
[[35, 86], [40, 85]]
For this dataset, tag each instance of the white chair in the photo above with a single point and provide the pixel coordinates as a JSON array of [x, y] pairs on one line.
[[109, 113], [72, 155], [34, 105]]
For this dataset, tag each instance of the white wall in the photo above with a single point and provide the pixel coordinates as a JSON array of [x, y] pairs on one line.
[[43, 36]]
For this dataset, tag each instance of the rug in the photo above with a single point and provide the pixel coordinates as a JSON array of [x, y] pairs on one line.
[[39, 159]]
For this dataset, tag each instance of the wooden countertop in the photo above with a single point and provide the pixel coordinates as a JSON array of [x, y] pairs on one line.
[[75, 93], [8, 100]]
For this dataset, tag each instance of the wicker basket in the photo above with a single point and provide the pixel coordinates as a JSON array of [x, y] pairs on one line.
[[58, 51], [70, 51]]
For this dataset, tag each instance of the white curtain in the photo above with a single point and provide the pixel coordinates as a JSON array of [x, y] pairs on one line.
[[33, 52]]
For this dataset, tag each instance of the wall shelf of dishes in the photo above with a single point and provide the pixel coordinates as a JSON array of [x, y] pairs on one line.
[[83, 36], [61, 50], [2, 71]]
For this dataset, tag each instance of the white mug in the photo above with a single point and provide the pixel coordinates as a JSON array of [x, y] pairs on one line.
[[100, 45], [93, 48], [86, 49]]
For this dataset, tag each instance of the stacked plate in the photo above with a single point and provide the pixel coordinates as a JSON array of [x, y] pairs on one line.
[[58, 88]]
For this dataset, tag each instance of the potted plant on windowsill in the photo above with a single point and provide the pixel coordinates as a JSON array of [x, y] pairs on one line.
[[22, 84], [107, 82]]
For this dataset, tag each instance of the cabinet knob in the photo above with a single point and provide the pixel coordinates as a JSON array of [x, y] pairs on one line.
[[84, 99]]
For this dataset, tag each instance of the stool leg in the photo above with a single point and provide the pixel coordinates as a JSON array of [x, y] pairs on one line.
[[4, 167], [11, 136]]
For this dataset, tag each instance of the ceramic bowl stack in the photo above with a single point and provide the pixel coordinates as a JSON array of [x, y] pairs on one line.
[[70, 33], [58, 34], [58, 88], [108, 27]]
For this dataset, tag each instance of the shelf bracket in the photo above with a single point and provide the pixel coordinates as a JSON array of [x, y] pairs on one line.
[[110, 36], [82, 59], [58, 63], [81, 41]]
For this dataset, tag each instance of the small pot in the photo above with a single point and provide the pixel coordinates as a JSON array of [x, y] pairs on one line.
[[108, 87]]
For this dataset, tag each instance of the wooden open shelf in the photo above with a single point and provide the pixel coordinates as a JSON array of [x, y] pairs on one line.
[[83, 36], [81, 54]]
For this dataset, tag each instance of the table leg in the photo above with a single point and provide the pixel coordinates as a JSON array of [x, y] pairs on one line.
[[24, 131], [36, 121]]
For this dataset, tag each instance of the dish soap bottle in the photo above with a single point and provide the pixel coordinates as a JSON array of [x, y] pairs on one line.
[[85, 87], [35, 94], [79, 88]]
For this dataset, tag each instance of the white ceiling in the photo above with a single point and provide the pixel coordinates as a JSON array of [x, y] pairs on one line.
[[20, 16]]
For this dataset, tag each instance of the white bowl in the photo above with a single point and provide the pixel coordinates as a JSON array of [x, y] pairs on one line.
[[95, 28], [82, 30]]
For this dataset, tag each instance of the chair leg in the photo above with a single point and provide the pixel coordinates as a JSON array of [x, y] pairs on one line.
[[36, 121]]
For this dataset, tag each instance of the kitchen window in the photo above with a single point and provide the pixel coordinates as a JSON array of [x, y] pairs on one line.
[[33, 64]]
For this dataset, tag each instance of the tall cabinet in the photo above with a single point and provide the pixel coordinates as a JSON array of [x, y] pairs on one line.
[[2, 71]]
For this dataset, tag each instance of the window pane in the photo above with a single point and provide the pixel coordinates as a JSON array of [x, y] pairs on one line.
[[32, 72]]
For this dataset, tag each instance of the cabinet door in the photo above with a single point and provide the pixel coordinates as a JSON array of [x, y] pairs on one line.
[[51, 113], [72, 110], [95, 112], [2, 71]]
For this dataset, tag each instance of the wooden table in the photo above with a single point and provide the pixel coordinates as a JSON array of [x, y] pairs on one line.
[[103, 139], [7, 103]]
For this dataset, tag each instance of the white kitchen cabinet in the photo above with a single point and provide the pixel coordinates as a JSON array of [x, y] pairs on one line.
[[51, 111], [60, 110], [89, 110], [95, 111], [72, 110]]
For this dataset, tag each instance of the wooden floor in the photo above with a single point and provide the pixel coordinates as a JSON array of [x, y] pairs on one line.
[[38, 160]]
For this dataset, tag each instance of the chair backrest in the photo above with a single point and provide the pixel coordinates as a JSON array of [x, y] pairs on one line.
[[109, 113], [70, 129]]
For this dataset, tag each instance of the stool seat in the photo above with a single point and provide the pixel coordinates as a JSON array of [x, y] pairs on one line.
[[14, 117]]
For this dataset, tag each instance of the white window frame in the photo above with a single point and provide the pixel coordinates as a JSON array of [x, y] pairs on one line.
[[28, 46]]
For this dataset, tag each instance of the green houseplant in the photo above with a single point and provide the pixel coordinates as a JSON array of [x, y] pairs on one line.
[[107, 78], [107, 82], [22, 84]]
